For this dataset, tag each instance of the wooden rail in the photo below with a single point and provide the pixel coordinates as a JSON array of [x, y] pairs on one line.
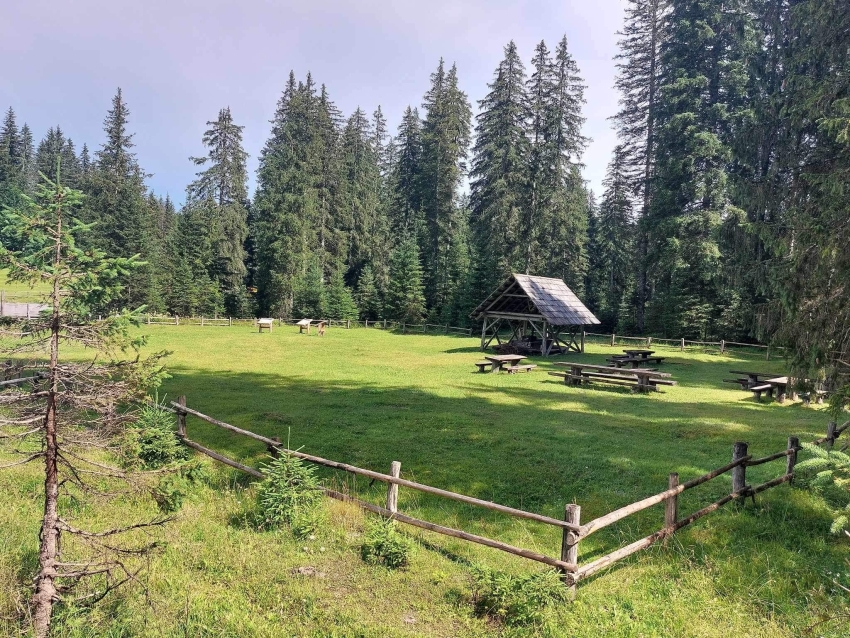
[[572, 530]]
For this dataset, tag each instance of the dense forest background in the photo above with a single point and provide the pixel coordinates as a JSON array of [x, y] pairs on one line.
[[724, 212]]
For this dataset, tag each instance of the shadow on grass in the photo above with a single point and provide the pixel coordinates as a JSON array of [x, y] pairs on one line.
[[534, 448]]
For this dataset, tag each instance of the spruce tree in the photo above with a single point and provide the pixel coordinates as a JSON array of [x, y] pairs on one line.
[[223, 186], [310, 298], [339, 301], [638, 79], [406, 209], [116, 200], [361, 176], [405, 297], [614, 240], [499, 170], [12, 175], [703, 77], [286, 204], [368, 297], [445, 140]]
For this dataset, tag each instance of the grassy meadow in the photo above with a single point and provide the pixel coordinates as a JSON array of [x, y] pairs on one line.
[[368, 397]]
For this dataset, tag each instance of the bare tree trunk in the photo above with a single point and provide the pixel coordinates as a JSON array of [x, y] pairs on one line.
[[46, 593]]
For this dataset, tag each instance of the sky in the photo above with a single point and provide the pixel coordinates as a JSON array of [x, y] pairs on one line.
[[179, 61]]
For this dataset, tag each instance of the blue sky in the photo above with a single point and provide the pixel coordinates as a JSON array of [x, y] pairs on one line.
[[180, 61]]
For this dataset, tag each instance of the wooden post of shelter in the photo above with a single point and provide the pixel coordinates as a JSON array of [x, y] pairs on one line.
[[569, 543], [392, 488], [582, 339]]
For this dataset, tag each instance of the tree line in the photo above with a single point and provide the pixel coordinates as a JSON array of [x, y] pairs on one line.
[[721, 213]]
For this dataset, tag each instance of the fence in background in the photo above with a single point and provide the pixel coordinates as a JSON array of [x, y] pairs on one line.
[[613, 340], [573, 531]]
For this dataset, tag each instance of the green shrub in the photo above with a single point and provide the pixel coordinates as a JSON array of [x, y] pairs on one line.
[[289, 495], [516, 600], [384, 545], [172, 489], [152, 442], [827, 474]]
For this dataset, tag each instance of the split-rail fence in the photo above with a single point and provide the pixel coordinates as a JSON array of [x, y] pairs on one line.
[[573, 530]]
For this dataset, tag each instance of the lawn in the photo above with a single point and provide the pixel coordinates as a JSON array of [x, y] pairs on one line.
[[22, 292], [368, 397]]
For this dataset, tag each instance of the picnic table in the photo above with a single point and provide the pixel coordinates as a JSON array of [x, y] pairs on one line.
[[643, 354], [780, 386], [304, 325], [635, 357], [643, 380], [499, 361]]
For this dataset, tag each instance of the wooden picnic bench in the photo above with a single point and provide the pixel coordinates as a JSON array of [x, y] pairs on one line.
[[619, 360], [499, 361], [523, 368], [304, 326], [642, 380], [265, 323]]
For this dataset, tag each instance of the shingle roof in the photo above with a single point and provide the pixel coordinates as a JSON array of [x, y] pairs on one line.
[[543, 296]]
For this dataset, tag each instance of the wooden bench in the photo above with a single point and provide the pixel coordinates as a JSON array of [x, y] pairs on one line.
[[523, 368], [482, 364], [758, 389], [741, 382], [265, 324]]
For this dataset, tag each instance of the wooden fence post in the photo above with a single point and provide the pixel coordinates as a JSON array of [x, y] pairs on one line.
[[767, 356], [722, 346], [793, 444], [392, 488], [682, 348], [181, 417], [403, 327], [830, 433], [273, 450], [739, 473], [447, 328], [202, 320], [612, 339], [648, 342], [671, 505], [176, 320], [230, 321], [569, 542], [385, 324], [348, 324]]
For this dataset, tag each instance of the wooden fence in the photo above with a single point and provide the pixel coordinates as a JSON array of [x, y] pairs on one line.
[[573, 531], [722, 346]]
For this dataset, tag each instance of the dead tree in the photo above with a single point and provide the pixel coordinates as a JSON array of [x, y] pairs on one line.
[[62, 410]]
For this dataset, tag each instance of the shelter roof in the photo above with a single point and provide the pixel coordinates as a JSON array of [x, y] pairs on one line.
[[536, 297]]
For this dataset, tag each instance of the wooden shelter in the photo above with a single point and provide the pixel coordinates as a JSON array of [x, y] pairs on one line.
[[544, 315]]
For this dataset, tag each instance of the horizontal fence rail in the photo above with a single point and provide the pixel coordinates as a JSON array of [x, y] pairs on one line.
[[573, 531]]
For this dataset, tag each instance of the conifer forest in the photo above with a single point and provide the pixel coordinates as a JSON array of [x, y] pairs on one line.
[[724, 212]]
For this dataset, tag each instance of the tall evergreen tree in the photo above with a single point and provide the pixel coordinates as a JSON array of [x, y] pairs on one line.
[[445, 140], [406, 207], [405, 296], [116, 199], [614, 240], [361, 176], [222, 186], [564, 221], [285, 201], [638, 80], [704, 62], [499, 170]]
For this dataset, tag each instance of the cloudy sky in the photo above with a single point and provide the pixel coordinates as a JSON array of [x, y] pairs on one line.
[[179, 61]]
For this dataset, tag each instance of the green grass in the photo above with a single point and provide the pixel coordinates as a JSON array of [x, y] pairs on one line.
[[368, 397], [21, 292]]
